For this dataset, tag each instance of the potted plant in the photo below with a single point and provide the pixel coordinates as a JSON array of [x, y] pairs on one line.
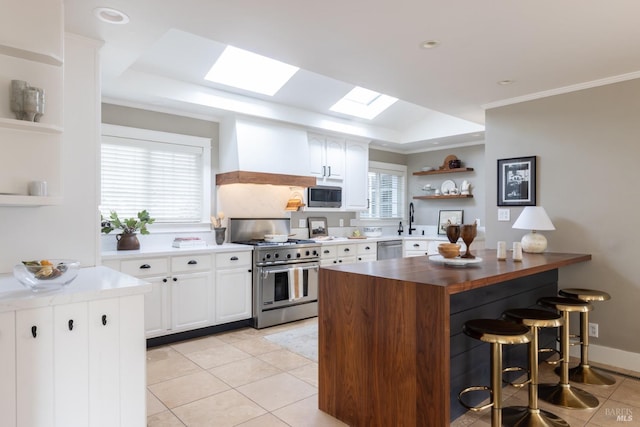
[[127, 240]]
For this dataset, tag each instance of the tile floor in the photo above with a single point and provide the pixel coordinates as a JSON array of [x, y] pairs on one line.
[[238, 378]]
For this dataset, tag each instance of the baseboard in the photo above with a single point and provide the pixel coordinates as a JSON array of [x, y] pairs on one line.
[[613, 358]]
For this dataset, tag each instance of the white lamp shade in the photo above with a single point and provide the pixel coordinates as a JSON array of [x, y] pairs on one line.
[[533, 218]]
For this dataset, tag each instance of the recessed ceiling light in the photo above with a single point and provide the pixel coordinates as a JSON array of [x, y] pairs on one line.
[[506, 82], [249, 71], [111, 16], [429, 44], [363, 103]]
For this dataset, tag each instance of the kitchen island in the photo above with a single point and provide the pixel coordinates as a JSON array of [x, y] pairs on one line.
[[391, 347]]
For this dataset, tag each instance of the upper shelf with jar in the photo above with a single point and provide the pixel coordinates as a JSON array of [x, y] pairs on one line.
[[451, 164]]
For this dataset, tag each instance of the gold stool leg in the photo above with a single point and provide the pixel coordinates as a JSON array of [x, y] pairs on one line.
[[562, 394], [532, 416], [496, 384], [583, 373]]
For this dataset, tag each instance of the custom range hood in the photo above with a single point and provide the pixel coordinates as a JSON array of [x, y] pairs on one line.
[[255, 151]]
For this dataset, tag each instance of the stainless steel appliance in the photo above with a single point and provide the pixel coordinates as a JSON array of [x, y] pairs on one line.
[[324, 196], [390, 249], [276, 265]]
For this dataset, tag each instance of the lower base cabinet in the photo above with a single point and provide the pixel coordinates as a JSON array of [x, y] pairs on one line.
[[233, 287], [80, 364]]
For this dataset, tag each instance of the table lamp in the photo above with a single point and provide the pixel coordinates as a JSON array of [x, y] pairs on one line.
[[533, 218]]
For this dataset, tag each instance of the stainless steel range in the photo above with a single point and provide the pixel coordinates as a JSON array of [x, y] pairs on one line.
[[285, 274]]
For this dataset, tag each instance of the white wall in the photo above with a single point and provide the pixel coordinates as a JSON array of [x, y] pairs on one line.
[[69, 230], [588, 152]]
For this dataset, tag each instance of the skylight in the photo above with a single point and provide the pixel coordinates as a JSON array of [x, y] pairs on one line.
[[246, 70], [363, 103]]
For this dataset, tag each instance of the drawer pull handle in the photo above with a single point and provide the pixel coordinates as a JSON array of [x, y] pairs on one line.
[[367, 248], [175, 279], [234, 258], [34, 331], [164, 280], [145, 266], [192, 262], [104, 320], [71, 324], [326, 251], [346, 249], [416, 245]]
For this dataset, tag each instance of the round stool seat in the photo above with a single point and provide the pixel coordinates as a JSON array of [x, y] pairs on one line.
[[497, 331], [534, 317], [566, 304], [585, 294]]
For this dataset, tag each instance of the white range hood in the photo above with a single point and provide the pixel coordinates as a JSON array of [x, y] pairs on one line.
[[249, 146]]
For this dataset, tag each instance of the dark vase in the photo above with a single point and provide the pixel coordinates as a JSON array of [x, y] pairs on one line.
[[453, 232], [468, 233], [128, 242], [220, 235]]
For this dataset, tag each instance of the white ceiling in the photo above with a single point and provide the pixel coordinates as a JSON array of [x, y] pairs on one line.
[[160, 57]]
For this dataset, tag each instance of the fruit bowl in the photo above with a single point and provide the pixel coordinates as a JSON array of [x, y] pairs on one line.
[[449, 250], [46, 275]]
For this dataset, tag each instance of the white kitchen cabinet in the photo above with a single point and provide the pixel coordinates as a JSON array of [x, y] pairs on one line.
[[412, 247], [191, 297], [366, 252], [233, 287], [356, 182], [8, 367], [326, 157], [338, 254], [34, 367]]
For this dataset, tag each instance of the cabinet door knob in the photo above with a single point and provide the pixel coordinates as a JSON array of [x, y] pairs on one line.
[[234, 258], [249, 271], [104, 320], [70, 324], [175, 279], [145, 266], [164, 280], [192, 262], [34, 331]]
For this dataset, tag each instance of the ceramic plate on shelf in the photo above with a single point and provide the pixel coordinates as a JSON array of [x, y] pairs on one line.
[[447, 186], [457, 261]]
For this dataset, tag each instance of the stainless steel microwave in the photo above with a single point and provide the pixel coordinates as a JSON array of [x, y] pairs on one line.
[[324, 196]]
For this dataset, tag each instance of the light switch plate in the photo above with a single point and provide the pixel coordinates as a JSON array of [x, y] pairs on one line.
[[302, 223], [341, 222], [504, 214]]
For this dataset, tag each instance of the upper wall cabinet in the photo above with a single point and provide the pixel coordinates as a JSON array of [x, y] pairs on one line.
[[326, 157]]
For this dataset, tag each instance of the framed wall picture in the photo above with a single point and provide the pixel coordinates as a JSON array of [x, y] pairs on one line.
[[517, 181], [317, 227], [445, 216]]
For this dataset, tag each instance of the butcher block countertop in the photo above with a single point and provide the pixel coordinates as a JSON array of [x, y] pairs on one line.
[[390, 342]]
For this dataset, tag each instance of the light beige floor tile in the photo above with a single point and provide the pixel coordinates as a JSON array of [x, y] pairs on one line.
[[228, 408], [154, 406], [628, 392], [307, 373], [465, 420], [277, 391], [284, 359], [240, 335], [266, 420], [188, 388], [616, 413], [305, 413], [217, 356], [197, 344], [244, 371], [256, 346], [164, 419], [164, 363]]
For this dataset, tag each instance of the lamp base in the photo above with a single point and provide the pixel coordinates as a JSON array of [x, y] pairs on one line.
[[534, 243]]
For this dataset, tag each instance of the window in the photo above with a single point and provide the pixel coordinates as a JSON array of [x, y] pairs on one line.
[[166, 174], [386, 191]]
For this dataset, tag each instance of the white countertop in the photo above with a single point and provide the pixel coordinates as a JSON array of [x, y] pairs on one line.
[[146, 251], [91, 283]]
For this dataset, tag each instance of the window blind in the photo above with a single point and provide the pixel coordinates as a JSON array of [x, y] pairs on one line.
[[163, 178], [386, 194]]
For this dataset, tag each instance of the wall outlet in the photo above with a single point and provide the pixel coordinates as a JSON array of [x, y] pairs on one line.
[[341, 222], [593, 330], [302, 223], [504, 214]]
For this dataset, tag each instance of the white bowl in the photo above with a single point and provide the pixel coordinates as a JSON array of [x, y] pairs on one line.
[[372, 231], [37, 277]]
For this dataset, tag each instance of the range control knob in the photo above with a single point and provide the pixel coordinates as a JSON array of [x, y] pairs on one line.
[[288, 256], [307, 253], [277, 255]]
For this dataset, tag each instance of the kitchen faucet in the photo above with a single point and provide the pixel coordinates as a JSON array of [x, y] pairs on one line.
[[411, 218]]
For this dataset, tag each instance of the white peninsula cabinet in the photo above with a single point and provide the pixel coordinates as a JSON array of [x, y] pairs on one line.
[[347, 253], [74, 357]]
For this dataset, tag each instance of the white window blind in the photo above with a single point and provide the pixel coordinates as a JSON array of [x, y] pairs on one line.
[[386, 192], [167, 179]]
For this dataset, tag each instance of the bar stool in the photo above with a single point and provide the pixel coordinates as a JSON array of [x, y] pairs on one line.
[[562, 394], [532, 415], [497, 333], [583, 373]]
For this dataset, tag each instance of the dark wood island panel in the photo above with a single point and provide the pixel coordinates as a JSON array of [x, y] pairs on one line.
[[386, 343]]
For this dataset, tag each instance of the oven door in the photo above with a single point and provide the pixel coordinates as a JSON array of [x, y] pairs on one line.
[[273, 285]]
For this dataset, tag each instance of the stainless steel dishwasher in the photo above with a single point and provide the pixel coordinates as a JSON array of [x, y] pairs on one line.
[[390, 249]]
